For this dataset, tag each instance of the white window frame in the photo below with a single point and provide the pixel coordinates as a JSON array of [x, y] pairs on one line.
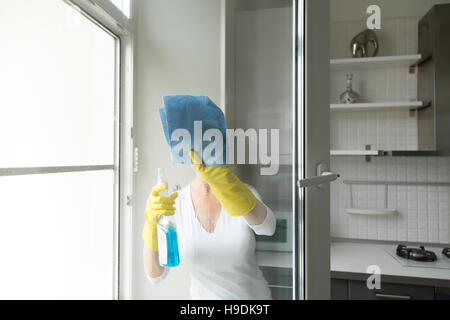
[[108, 16], [123, 140]]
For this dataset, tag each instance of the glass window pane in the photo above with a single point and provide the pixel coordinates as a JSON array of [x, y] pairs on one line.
[[56, 236], [123, 5], [262, 47], [58, 86]]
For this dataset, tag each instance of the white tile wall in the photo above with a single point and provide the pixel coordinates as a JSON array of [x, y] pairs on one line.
[[423, 210], [385, 130]]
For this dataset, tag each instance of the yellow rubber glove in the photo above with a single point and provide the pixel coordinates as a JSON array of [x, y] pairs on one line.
[[232, 193], [157, 207]]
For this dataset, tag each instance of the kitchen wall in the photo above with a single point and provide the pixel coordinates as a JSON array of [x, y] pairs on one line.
[[178, 52], [393, 130], [423, 210]]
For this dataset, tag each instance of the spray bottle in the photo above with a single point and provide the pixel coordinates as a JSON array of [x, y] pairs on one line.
[[167, 232]]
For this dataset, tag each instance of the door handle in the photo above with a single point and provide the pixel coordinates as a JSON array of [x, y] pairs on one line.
[[326, 177], [323, 176]]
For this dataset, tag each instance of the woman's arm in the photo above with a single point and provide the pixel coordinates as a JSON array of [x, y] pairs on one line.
[[257, 215], [151, 264], [261, 219]]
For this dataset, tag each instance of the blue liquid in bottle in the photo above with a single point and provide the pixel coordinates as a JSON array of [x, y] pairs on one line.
[[167, 233], [171, 259]]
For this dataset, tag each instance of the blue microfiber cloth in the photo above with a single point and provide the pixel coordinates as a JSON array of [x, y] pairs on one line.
[[185, 120]]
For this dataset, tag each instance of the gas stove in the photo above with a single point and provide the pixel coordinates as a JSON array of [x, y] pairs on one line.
[[416, 254], [446, 252], [421, 257]]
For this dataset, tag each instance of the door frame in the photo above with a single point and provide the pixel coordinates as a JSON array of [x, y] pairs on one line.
[[312, 146]]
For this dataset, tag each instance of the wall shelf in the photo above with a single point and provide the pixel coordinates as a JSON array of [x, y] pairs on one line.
[[371, 212], [357, 153], [388, 62], [377, 106]]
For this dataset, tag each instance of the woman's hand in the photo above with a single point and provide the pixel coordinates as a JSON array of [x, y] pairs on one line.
[[157, 207], [232, 193]]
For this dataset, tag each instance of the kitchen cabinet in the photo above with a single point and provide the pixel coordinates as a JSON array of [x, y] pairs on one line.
[[339, 289], [389, 291], [433, 79], [343, 289], [442, 294]]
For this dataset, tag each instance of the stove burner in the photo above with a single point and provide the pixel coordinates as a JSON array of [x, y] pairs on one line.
[[416, 254], [446, 252]]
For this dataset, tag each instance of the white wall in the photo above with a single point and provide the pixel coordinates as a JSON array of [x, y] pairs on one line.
[[178, 52]]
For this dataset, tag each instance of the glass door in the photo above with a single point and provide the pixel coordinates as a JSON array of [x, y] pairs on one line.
[[276, 83], [273, 87], [254, 72], [260, 100]]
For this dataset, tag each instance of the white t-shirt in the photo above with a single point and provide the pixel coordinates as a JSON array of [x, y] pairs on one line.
[[222, 264]]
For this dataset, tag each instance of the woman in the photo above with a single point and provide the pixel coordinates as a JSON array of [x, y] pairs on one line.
[[217, 216]]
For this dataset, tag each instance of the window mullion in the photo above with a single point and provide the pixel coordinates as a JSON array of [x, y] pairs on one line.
[[8, 172]]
